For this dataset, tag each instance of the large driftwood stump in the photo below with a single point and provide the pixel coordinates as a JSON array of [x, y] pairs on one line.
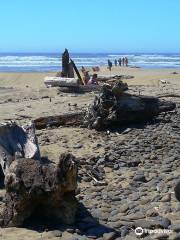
[[47, 190], [33, 186], [114, 107]]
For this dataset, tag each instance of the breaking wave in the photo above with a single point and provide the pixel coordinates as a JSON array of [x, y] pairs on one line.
[[52, 62]]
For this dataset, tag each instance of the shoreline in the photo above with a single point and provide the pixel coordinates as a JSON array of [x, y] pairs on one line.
[[102, 66]]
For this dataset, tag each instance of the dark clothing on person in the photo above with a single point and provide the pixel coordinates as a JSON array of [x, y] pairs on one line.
[[115, 62], [119, 61], [86, 77], [93, 80], [123, 61], [126, 61], [109, 65]]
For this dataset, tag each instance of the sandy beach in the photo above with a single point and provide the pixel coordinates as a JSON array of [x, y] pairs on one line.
[[24, 97], [25, 93]]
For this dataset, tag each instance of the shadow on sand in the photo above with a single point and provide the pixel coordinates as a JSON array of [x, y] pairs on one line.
[[85, 224]]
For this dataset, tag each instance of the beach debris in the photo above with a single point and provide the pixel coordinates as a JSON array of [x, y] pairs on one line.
[[68, 65], [112, 107], [115, 107], [163, 81], [37, 189], [60, 82], [106, 78], [77, 72], [65, 63], [66, 77], [33, 186], [17, 141]]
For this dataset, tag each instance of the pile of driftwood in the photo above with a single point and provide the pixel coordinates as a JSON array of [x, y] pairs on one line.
[[34, 187], [115, 107], [112, 107]]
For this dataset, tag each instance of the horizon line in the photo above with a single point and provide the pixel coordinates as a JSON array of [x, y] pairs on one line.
[[84, 52]]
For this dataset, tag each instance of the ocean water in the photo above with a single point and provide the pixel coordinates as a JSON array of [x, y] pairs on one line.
[[38, 62]]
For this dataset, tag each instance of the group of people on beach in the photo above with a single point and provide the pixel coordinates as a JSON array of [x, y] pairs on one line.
[[121, 62], [89, 80]]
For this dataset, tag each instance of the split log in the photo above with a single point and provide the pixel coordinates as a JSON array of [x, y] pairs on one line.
[[77, 73], [15, 142], [45, 190], [65, 63]]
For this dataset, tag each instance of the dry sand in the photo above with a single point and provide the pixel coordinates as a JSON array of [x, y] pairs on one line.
[[23, 97]]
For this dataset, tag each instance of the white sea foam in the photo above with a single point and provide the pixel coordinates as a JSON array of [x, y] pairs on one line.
[[23, 62]]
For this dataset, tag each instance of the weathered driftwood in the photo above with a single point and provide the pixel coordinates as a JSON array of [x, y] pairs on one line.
[[60, 82], [77, 73], [67, 119], [45, 190], [15, 142], [114, 107], [33, 186], [105, 78], [65, 63], [71, 70]]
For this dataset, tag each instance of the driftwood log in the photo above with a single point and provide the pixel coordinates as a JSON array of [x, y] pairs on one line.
[[33, 186], [67, 119], [77, 73], [112, 107], [65, 63]]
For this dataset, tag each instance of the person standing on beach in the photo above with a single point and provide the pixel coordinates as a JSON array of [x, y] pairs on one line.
[[123, 61], [119, 61], [115, 62], [86, 77], [109, 65], [126, 61]]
